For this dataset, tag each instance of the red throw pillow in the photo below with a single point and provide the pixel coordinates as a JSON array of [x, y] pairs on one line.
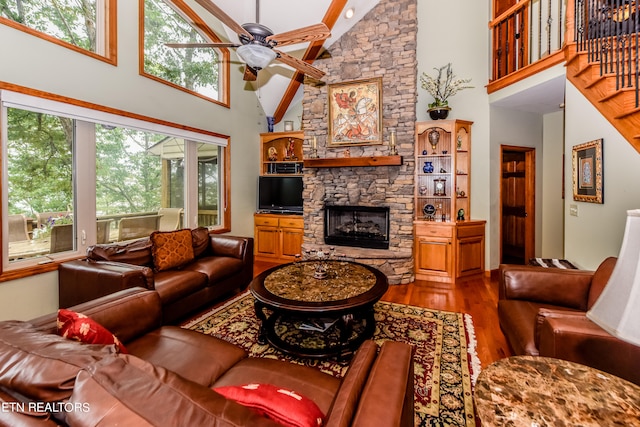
[[77, 326], [284, 406]]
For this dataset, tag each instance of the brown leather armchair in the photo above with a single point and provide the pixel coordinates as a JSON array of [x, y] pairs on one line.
[[542, 312]]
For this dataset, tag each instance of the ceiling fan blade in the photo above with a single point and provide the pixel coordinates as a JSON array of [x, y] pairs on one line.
[[250, 74], [301, 35], [181, 45], [299, 65], [223, 17]]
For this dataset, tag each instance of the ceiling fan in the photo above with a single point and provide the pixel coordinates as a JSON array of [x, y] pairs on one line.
[[257, 48]]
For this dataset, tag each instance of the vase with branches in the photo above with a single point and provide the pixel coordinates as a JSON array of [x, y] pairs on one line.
[[441, 87]]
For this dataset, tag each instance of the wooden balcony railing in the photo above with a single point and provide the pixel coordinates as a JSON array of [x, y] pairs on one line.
[[525, 38]]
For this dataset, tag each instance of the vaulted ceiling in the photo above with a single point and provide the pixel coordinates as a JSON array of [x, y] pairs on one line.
[[278, 86]]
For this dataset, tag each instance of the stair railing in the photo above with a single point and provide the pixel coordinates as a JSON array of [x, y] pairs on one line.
[[608, 31]]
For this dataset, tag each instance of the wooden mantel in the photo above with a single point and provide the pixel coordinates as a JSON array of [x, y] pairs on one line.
[[339, 162]]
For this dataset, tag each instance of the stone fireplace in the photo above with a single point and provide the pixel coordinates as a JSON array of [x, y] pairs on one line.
[[382, 44], [357, 226]]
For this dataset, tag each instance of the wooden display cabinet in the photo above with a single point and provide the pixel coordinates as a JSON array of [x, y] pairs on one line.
[[446, 164], [281, 153], [448, 245], [278, 237]]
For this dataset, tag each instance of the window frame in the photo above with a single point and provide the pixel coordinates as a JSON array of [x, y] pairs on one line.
[[109, 13], [85, 173], [205, 31]]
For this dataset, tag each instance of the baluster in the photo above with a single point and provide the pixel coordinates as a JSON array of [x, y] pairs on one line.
[[520, 52], [507, 61], [539, 16], [498, 65], [549, 22], [635, 59]]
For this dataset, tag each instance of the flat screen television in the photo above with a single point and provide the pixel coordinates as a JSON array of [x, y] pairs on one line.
[[280, 194]]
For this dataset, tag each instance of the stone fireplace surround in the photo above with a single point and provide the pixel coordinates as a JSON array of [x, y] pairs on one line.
[[382, 44]]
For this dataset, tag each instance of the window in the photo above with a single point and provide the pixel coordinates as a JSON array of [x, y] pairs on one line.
[[196, 70], [40, 183], [83, 25], [59, 199]]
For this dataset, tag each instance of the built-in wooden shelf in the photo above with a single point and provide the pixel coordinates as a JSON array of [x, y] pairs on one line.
[[339, 162]]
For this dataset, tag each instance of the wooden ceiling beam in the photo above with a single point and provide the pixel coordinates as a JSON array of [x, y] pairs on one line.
[[330, 18]]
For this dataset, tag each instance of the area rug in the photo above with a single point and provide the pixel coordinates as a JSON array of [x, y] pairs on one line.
[[445, 361]]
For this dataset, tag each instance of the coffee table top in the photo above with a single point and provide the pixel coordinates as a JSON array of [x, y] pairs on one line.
[[293, 286], [528, 391]]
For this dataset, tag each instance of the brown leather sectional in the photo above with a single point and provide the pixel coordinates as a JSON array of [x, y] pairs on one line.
[[222, 264], [542, 312], [166, 378]]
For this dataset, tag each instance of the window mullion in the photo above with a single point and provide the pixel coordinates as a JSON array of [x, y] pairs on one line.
[[191, 184], [85, 184]]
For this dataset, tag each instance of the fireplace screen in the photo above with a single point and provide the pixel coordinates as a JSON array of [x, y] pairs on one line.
[[360, 226]]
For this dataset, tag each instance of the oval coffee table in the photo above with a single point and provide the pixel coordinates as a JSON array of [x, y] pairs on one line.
[[310, 317]]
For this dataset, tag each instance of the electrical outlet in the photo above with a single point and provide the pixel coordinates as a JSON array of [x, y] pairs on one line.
[[573, 210]]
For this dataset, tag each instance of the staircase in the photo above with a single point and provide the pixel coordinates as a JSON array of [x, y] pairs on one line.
[[617, 105], [598, 43]]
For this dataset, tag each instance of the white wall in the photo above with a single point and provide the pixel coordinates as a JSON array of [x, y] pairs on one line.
[[443, 37], [521, 129], [597, 231], [35, 63], [552, 219], [30, 297]]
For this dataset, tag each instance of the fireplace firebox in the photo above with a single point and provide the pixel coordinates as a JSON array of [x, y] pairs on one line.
[[359, 226]]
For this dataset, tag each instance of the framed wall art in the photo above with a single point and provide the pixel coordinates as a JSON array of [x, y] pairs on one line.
[[355, 113], [588, 177]]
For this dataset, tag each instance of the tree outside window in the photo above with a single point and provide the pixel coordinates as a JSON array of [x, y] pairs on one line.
[[77, 22], [195, 69]]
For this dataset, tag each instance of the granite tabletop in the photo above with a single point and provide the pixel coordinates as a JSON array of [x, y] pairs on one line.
[[343, 280], [538, 391]]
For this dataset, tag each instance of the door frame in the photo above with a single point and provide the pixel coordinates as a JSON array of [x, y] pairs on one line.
[[530, 198]]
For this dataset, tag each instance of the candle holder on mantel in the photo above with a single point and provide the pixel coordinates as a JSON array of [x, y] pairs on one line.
[[314, 149], [393, 150]]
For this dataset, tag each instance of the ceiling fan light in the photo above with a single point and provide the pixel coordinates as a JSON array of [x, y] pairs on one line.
[[256, 56]]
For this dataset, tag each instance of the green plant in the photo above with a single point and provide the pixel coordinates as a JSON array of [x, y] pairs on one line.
[[443, 87]]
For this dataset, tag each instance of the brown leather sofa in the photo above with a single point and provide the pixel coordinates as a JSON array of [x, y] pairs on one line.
[[222, 264], [167, 375], [542, 312]]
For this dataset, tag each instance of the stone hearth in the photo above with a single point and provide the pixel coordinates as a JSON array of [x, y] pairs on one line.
[[382, 44]]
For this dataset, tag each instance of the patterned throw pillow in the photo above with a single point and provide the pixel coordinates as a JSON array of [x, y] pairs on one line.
[[171, 249], [284, 406], [77, 326]]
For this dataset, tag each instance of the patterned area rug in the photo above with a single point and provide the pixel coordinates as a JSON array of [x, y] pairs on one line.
[[445, 363]]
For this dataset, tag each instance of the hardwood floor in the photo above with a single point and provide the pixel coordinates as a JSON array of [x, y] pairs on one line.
[[478, 297]]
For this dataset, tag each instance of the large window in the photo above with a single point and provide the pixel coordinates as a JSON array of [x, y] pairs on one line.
[[197, 70], [82, 24], [77, 177]]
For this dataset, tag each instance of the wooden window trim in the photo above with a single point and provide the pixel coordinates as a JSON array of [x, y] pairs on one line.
[[196, 22], [52, 265], [111, 48]]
